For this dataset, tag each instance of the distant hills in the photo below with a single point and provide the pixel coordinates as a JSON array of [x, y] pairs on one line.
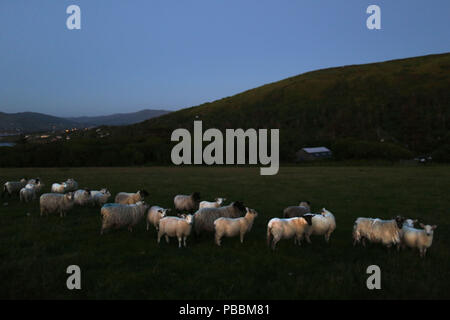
[[27, 122]]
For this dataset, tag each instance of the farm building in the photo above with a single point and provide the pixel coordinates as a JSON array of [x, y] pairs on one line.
[[315, 153]]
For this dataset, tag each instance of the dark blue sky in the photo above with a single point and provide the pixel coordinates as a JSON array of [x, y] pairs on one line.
[[131, 55]]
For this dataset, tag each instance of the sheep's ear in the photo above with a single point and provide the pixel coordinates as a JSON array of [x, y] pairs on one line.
[[433, 227], [422, 225], [160, 211]]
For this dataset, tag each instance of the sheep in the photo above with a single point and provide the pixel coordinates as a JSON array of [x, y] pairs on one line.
[[100, 197], [278, 229], [30, 191], [188, 203], [71, 185], [419, 238], [122, 215], [175, 227], [56, 202], [130, 198], [13, 187], [231, 227], [204, 218], [386, 232], [154, 215], [322, 224], [82, 197], [297, 211], [58, 187], [217, 203]]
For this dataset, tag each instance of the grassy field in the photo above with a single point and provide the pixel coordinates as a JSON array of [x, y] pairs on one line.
[[35, 251]]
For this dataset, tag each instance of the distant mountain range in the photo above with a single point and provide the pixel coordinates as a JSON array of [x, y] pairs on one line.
[[27, 122]]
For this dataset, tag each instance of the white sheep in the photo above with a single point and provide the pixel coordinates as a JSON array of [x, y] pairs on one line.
[[56, 203], [58, 187], [82, 197], [30, 191], [231, 227], [122, 215], [186, 202], [278, 229], [154, 215], [322, 225], [419, 238], [13, 187], [130, 198], [175, 227], [207, 204], [387, 232], [100, 197]]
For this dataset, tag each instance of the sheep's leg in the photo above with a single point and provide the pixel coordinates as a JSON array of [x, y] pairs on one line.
[[148, 225], [274, 242], [218, 237], [179, 242], [299, 240], [364, 242], [184, 240], [167, 238], [327, 237], [242, 237], [159, 237], [308, 239]]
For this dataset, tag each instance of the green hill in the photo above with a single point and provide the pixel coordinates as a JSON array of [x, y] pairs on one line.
[[394, 109]]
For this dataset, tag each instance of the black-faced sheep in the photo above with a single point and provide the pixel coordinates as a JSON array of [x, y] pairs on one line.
[[204, 218], [297, 211]]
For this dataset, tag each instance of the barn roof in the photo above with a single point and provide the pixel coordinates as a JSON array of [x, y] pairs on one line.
[[316, 149]]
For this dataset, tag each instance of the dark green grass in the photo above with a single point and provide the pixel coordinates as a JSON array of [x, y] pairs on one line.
[[35, 251]]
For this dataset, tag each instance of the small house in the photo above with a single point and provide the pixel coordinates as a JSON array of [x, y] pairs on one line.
[[315, 153]]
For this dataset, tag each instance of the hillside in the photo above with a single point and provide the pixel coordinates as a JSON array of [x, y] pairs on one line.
[[390, 110], [119, 119]]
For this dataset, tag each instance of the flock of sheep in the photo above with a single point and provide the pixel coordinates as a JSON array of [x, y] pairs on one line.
[[230, 220]]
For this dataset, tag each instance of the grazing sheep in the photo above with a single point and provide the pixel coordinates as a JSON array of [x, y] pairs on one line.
[[187, 203], [155, 213], [297, 211], [322, 225], [122, 215], [231, 227], [419, 238], [13, 187], [71, 185], [278, 229], [204, 218], [217, 203], [82, 197], [175, 227], [56, 202], [386, 232], [58, 187], [130, 198], [100, 197]]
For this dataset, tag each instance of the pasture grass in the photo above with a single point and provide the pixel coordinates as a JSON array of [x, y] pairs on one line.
[[35, 251]]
